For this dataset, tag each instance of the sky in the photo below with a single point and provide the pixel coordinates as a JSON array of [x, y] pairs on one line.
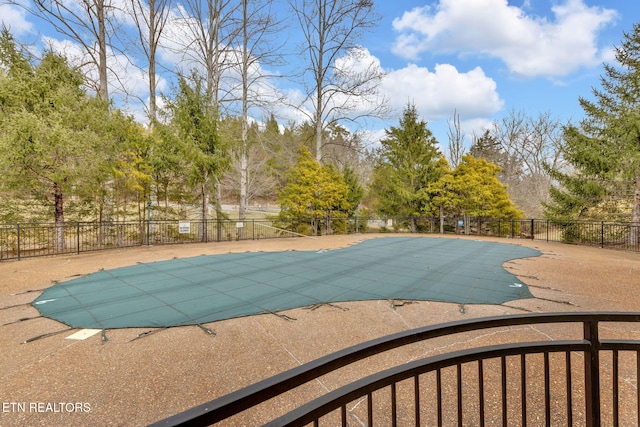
[[479, 59]]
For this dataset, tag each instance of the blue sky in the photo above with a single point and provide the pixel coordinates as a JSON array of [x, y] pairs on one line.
[[530, 55], [479, 58]]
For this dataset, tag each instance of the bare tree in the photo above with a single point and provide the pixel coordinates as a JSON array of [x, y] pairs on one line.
[[524, 146], [456, 140], [151, 17], [258, 23], [206, 31], [340, 82], [88, 23]]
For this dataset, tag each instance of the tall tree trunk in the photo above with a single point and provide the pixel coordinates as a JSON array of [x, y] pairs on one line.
[[467, 223], [331, 29], [244, 180], [150, 17], [166, 201], [152, 89], [153, 43], [320, 70], [58, 202], [245, 115], [318, 136], [204, 213], [103, 89]]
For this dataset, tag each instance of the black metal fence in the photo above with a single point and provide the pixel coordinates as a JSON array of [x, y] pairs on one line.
[[580, 379], [19, 241]]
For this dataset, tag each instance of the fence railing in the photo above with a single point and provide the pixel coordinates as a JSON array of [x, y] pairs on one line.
[[581, 379], [19, 241]]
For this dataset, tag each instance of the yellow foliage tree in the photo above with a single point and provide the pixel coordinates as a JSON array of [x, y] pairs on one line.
[[473, 190], [315, 193]]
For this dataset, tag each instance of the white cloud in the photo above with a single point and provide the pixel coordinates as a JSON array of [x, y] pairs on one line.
[[14, 18], [358, 61], [361, 72], [437, 94], [474, 127], [529, 45], [123, 76]]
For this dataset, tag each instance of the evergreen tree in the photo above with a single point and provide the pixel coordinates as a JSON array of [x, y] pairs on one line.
[[315, 192], [52, 131], [132, 170], [13, 61], [168, 163], [354, 196], [408, 162], [488, 147], [195, 123], [474, 190], [604, 151]]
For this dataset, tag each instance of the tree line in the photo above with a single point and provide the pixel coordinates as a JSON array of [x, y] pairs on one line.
[[68, 152], [80, 157], [230, 46]]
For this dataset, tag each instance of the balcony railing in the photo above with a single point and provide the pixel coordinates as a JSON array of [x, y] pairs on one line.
[[580, 379]]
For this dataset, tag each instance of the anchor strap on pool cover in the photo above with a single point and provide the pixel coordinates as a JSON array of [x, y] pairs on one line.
[[205, 289]]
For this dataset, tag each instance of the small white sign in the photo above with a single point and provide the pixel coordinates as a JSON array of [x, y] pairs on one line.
[[239, 224], [184, 227]]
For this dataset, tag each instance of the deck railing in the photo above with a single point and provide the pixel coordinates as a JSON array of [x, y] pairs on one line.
[[19, 241], [581, 379]]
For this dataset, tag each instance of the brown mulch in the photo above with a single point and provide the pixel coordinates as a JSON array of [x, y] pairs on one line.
[[138, 376]]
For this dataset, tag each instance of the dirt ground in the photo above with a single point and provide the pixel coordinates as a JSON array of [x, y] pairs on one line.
[[131, 377]]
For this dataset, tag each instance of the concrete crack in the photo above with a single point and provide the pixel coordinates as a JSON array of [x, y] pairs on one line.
[[289, 352]]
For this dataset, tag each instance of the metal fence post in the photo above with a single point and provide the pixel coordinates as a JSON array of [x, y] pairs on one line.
[[547, 230], [19, 243], [533, 231], [77, 237], [592, 374]]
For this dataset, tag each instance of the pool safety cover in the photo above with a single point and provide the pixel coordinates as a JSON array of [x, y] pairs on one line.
[[215, 287]]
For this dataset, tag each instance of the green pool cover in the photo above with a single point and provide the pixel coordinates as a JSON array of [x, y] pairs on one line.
[[215, 287]]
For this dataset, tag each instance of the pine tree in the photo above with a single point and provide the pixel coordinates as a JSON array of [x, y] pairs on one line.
[[52, 131], [408, 162], [354, 196], [604, 151], [195, 123]]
